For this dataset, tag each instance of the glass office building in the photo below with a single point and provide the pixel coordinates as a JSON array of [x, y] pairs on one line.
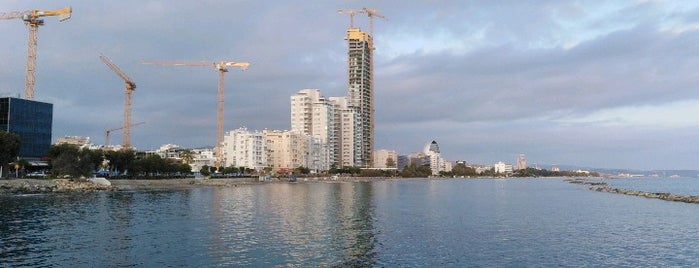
[[32, 121]]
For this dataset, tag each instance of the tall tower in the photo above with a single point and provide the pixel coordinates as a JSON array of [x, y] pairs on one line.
[[360, 92]]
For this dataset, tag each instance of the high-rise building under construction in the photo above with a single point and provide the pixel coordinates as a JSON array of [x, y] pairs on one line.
[[360, 93]]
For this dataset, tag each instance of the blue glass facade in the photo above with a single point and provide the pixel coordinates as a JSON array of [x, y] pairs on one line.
[[32, 121]]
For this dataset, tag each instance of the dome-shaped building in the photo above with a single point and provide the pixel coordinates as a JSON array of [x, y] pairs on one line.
[[431, 148]]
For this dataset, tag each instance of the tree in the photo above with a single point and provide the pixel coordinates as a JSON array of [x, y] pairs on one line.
[[205, 170], [415, 171], [121, 161], [461, 169], [9, 148], [302, 170], [390, 162], [187, 156], [70, 160]]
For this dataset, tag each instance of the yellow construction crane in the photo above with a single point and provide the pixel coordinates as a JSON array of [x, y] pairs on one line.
[[108, 131], [222, 68], [130, 87], [32, 18], [371, 13], [350, 13]]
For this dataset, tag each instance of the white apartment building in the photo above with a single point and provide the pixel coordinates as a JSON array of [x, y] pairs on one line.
[[243, 148], [501, 167], [287, 150], [314, 115], [202, 157], [437, 163], [347, 149], [381, 157]]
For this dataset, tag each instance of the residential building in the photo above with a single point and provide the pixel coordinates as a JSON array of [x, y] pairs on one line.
[[202, 157], [347, 149], [243, 148], [360, 92], [521, 162], [436, 162], [502, 168], [74, 140], [381, 158], [314, 115]]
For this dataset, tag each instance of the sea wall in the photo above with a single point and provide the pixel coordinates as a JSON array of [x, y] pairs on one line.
[[38, 186]]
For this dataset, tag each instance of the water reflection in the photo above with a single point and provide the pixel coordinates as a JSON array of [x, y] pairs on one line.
[[295, 224]]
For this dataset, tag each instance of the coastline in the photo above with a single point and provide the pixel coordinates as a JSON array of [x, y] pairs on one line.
[[45, 186], [40, 186]]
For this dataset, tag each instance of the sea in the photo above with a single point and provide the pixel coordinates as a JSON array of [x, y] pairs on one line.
[[385, 223]]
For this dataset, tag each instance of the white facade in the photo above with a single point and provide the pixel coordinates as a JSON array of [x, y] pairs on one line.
[[347, 148], [243, 148], [202, 157], [302, 110], [313, 115], [437, 163], [501, 167], [287, 150]]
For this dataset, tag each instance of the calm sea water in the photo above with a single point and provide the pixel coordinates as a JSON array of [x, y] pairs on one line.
[[394, 223]]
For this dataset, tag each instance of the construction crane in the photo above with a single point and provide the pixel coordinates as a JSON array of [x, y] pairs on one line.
[[371, 13], [350, 13], [130, 88], [32, 18], [222, 68], [108, 131]]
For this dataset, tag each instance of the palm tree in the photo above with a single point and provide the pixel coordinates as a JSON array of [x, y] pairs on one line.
[[187, 156]]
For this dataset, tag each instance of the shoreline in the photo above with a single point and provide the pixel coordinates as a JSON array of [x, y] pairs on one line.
[[45, 186], [39, 186]]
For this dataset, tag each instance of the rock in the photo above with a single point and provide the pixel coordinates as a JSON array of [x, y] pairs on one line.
[[100, 181]]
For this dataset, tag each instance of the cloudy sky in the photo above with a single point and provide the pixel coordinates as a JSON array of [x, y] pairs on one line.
[[609, 84]]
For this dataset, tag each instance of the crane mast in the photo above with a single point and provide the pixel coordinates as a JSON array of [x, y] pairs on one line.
[[222, 68], [32, 19], [129, 89]]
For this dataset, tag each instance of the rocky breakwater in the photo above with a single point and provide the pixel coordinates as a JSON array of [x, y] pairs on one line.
[[604, 187], [663, 196], [32, 186]]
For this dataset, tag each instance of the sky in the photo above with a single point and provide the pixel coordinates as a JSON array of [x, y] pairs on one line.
[[605, 84]]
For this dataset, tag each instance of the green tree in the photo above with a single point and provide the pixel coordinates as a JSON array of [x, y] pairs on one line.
[[187, 156], [9, 148], [70, 160], [205, 170], [121, 161], [302, 170], [415, 171], [461, 169], [390, 162]]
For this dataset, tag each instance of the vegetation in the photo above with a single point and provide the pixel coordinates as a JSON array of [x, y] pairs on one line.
[[120, 162], [531, 172], [415, 171], [70, 160], [155, 167], [390, 162], [460, 170], [9, 148], [345, 170]]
